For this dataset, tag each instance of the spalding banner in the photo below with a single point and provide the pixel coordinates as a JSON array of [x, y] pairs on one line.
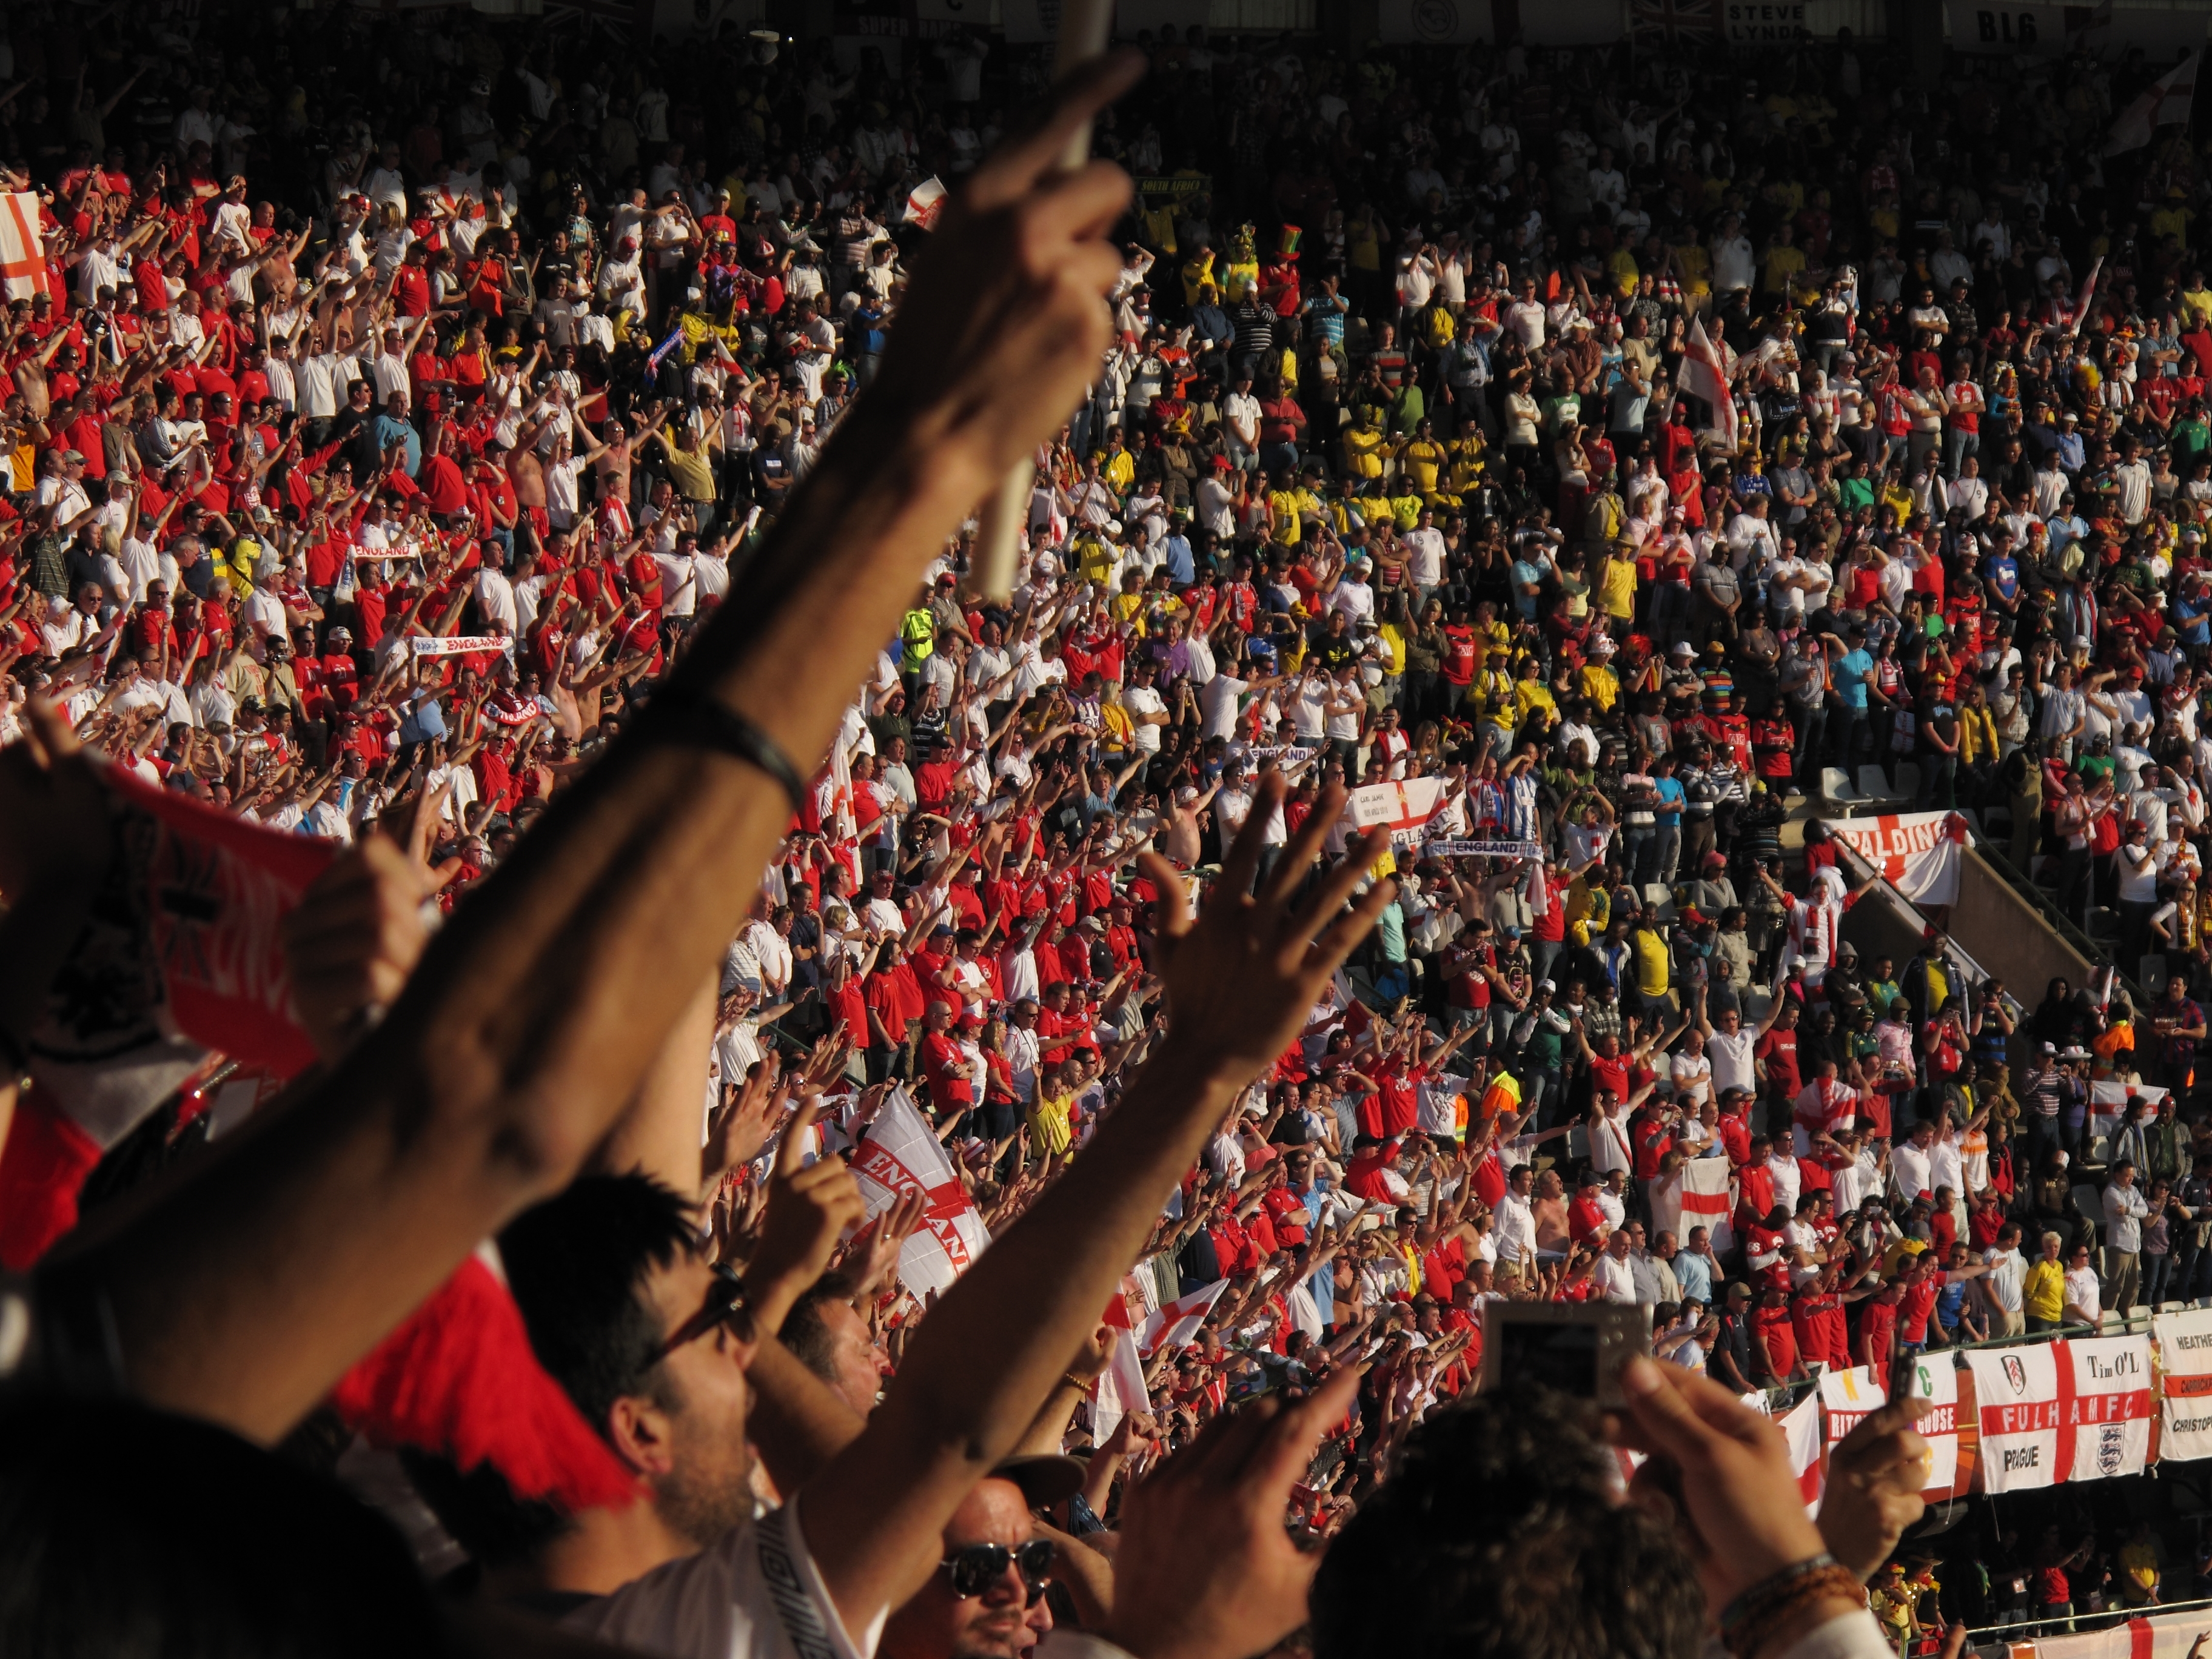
[[1918, 854]]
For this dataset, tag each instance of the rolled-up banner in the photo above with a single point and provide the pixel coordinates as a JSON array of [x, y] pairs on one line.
[[1482, 849], [459, 645]]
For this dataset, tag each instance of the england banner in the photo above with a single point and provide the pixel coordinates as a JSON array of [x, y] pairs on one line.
[[900, 1154], [2165, 103], [2184, 1368], [1401, 808], [1800, 1428], [925, 204], [459, 645], [1173, 1323], [1918, 854], [2020, 1416], [1934, 1378], [2108, 1104], [1703, 374], [1482, 849], [1849, 1398], [22, 253], [2105, 1382], [1697, 1196]]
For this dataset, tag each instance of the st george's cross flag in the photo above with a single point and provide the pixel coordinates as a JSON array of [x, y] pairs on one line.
[[1173, 1323], [23, 252], [1703, 374], [1402, 808], [900, 1154]]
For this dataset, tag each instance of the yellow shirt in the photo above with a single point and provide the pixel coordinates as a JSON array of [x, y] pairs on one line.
[[1599, 685], [2043, 1291], [1533, 696], [1406, 509], [1423, 461], [1650, 962], [1783, 261], [1049, 1125], [1694, 266], [1363, 452], [1616, 588]]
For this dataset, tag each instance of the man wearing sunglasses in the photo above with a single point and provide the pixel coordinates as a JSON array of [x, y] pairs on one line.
[[985, 1600]]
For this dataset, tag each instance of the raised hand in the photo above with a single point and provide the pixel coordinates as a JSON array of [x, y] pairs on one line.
[[809, 1208], [1244, 974], [744, 1123], [1206, 1569], [1875, 1477]]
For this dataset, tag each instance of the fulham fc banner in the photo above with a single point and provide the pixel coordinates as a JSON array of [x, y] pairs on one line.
[[2184, 1364], [2020, 1413]]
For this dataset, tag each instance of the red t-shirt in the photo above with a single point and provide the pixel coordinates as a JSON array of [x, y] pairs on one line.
[[1774, 1324]]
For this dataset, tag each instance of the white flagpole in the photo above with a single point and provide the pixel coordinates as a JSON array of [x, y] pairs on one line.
[[1084, 26]]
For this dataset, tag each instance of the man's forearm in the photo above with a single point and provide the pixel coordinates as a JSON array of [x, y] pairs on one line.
[[993, 1348]]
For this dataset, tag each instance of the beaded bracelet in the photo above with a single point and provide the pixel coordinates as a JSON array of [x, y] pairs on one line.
[[1746, 1623]]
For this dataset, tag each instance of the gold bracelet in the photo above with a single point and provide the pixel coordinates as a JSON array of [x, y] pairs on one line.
[[1081, 1385]]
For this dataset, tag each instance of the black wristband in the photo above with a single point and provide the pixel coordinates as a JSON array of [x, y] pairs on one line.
[[681, 714]]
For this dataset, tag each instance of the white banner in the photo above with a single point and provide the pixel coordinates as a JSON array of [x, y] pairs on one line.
[[1918, 854], [2107, 1380], [1401, 808], [1120, 1388], [1698, 1195], [1936, 1379], [457, 645], [1800, 1428], [899, 1155], [925, 203], [1849, 1397], [2184, 1365], [2020, 1415]]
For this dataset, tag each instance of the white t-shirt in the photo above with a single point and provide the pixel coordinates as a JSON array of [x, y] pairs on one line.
[[2005, 1276], [1141, 700], [1731, 1059], [736, 1598]]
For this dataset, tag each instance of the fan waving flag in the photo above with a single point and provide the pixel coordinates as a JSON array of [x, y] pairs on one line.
[[1120, 1388], [1403, 809], [2165, 103], [22, 251], [900, 1154], [1703, 374], [1177, 1321]]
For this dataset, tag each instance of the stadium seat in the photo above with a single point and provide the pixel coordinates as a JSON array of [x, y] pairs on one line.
[[1876, 789], [1835, 789]]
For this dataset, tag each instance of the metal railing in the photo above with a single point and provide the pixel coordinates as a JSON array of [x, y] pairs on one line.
[[1998, 1635]]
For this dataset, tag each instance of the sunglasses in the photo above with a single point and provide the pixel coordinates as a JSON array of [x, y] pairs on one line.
[[976, 1567], [724, 1300]]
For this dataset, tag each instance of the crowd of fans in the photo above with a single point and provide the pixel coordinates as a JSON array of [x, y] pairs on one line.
[[1603, 447]]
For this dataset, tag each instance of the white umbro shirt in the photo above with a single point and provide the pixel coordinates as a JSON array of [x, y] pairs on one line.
[[755, 1595]]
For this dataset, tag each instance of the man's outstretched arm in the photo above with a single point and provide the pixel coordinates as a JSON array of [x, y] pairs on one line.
[[1241, 981], [244, 1293]]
